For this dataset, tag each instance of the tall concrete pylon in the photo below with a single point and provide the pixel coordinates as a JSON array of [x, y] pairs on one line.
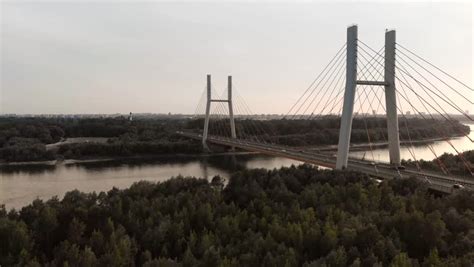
[[208, 110], [231, 108], [391, 99], [349, 94]]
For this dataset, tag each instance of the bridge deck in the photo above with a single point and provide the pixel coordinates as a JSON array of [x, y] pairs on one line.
[[436, 181]]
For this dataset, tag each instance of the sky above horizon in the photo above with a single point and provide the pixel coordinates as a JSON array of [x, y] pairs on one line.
[[120, 57]]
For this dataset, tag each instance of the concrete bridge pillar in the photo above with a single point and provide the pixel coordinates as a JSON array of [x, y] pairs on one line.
[[231, 109], [208, 110], [391, 99], [349, 94]]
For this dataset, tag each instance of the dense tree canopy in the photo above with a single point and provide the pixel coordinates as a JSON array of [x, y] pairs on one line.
[[325, 131], [24, 139], [289, 217]]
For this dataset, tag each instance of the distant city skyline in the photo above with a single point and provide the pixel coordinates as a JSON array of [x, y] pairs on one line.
[[107, 58]]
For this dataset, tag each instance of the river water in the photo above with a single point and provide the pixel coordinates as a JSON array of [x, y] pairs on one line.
[[21, 184], [421, 151]]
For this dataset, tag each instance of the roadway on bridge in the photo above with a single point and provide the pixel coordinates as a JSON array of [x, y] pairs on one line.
[[436, 181]]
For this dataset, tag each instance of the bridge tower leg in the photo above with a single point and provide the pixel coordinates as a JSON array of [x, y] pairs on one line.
[[391, 99], [208, 110], [349, 94], [231, 109]]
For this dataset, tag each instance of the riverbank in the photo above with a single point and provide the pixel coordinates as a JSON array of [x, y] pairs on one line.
[[50, 139], [136, 157], [21, 184], [378, 145], [103, 140]]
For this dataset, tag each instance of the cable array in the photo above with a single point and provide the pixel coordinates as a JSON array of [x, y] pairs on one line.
[[423, 91], [321, 90], [427, 98]]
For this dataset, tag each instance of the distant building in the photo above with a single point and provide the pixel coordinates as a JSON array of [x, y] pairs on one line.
[[408, 113], [130, 117]]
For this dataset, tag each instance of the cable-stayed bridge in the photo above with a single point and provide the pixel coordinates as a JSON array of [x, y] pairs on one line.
[[381, 90]]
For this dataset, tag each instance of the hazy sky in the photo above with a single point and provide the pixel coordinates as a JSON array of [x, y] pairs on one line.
[[106, 57]]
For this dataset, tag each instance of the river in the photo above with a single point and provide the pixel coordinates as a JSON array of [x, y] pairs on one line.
[[421, 151], [21, 184]]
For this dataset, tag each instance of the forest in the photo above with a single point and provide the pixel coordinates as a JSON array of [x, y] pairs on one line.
[[25, 139], [295, 216]]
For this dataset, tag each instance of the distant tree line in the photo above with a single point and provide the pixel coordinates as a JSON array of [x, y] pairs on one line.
[[325, 130], [25, 139], [297, 216]]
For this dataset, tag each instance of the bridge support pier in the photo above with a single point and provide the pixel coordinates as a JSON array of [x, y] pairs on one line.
[[349, 94], [391, 99]]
